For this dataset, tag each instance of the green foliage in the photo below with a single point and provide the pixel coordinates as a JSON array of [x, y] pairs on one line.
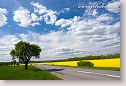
[[24, 51], [9, 63], [18, 73], [85, 63]]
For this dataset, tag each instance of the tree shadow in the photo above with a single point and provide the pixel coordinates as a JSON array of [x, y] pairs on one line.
[[53, 70], [35, 69], [56, 71]]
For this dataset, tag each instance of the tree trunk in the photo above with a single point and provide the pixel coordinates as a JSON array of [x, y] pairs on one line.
[[26, 65]]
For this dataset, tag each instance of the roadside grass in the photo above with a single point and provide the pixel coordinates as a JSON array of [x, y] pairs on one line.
[[103, 68], [19, 73], [97, 68]]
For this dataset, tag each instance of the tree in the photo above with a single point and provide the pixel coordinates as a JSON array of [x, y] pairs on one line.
[[14, 61], [24, 51], [85, 64]]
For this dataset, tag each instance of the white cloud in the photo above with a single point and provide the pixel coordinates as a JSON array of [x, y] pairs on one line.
[[22, 16], [6, 45], [114, 6], [48, 15], [39, 8], [3, 10], [104, 17], [93, 12], [83, 38], [34, 17], [3, 18], [64, 10], [67, 22], [25, 18], [76, 18], [63, 22]]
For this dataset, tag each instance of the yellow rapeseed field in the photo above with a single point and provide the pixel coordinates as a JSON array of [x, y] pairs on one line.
[[106, 62], [97, 63]]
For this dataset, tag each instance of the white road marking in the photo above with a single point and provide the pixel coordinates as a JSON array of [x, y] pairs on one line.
[[94, 73]]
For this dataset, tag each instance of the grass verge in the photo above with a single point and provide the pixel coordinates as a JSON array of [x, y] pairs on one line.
[[19, 73]]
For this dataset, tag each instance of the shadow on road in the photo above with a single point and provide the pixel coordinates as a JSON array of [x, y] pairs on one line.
[[56, 71], [53, 70]]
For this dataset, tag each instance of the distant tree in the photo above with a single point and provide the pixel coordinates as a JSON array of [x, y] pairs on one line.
[[11, 63], [0, 64], [7, 63], [85, 64], [109, 56], [13, 59], [24, 51], [17, 63], [14, 62], [116, 55]]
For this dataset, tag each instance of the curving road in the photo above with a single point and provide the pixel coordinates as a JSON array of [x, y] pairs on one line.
[[68, 73]]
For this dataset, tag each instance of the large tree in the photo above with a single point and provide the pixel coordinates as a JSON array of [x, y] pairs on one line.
[[24, 51]]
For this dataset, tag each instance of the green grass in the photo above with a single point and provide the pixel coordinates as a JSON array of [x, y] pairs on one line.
[[19, 73], [103, 68], [97, 68]]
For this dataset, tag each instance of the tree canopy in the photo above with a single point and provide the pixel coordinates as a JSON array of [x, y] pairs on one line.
[[24, 51]]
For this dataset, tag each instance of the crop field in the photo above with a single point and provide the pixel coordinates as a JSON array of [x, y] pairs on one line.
[[97, 63], [19, 73]]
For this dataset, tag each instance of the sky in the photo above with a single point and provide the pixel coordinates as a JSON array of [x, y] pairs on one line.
[[62, 28]]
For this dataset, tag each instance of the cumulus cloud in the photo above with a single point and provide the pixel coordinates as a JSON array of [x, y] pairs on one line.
[[63, 22], [25, 18], [22, 16], [67, 22], [104, 17], [93, 12], [6, 45], [34, 17], [48, 15], [78, 41], [114, 6], [39, 8], [3, 18]]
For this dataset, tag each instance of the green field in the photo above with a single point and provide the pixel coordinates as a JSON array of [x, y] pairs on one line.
[[19, 73]]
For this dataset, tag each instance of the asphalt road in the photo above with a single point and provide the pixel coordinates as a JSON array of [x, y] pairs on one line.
[[68, 73]]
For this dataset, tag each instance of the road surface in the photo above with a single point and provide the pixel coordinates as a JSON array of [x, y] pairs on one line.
[[67, 73]]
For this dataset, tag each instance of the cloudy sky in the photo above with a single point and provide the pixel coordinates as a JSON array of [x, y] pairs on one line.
[[62, 28]]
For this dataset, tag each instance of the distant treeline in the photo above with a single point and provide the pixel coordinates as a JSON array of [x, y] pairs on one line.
[[109, 56], [8, 63]]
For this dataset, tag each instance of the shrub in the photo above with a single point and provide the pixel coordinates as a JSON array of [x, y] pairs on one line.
[[85, 64]]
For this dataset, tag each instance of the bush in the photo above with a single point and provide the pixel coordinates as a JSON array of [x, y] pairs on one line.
[[85, 64]]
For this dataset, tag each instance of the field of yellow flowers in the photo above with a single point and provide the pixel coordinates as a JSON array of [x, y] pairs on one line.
[[97, 63]]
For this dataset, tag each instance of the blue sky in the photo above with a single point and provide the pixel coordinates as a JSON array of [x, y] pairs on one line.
[[60, 28]]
